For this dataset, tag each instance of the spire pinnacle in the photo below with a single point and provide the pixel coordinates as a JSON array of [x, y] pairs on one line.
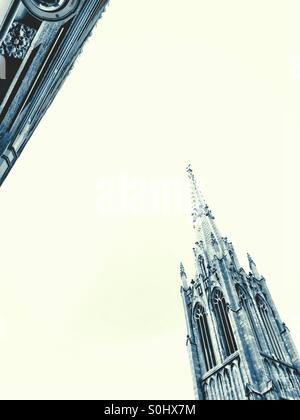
[[250, 260], [182, 270], [183, 277], [252, 267], [197, 197], [199, 205]]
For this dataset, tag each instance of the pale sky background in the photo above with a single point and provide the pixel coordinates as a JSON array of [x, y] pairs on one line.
[[96, 214]]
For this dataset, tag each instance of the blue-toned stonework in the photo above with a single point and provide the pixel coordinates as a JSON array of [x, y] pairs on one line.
[[39, 43], [238, 346]]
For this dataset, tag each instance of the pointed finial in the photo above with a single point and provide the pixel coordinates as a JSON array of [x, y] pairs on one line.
[[190, 171], [198, 203], [252, 266], [183, 277], [251, 262], [182, 270]]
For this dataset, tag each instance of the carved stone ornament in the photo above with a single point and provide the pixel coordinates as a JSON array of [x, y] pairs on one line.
[[17, 41]]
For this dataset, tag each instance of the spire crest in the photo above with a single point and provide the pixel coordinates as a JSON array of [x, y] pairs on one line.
[[198, 201], [199, 205]]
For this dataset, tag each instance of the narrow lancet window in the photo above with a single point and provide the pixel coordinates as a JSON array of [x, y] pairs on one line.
[[248, 307], [270, 333], [205, 337], [225, 329]]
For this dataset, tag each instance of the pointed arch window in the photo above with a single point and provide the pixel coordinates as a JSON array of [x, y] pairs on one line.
[[225, 329], [248, 307], [271, 336], [205, 337]]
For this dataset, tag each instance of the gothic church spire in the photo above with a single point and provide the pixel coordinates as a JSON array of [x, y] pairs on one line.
[[198, 201], [238, 346], [203, 219]]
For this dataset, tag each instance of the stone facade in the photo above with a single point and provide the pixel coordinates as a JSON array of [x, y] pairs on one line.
[[238, 346], [39, 43]]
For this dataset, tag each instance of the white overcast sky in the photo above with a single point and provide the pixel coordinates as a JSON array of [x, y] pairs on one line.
[[96, 213]]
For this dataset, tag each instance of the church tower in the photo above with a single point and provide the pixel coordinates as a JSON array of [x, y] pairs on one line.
[[238, 346]]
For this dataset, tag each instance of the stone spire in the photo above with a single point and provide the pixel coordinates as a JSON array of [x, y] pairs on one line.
[[203, 220], [198, 201]]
